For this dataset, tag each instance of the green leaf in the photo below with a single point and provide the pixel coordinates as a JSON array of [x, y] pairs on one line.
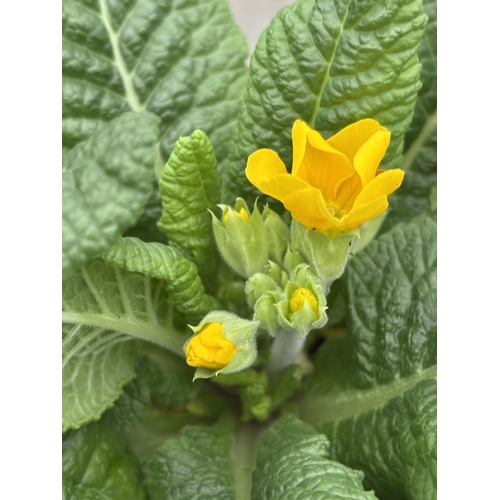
[[329, 63], [426, 104], [97, 465], [389, 352], [183, 61], [106, 183], [391, 304], [420, 159], [185, 289], [170, 386], [395, 445], [104, 309], [146, 228], [293, 463], [194, 466], [189, 188]]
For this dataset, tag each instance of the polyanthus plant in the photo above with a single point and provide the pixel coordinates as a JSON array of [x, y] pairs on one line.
[[249, 254]]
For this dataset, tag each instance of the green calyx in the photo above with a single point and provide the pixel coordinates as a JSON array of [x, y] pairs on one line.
[[241, 238]]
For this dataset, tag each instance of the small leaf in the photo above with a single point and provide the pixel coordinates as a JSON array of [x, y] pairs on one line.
[[293, 463], [106, 183], [189, 188], [97, 465], [329, 63]]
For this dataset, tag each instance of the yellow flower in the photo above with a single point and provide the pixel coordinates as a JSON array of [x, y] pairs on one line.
[[335, 183], [299, 298], [209, 348], [242, 214]]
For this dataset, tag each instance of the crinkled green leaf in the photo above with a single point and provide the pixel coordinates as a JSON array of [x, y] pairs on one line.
[[389, 349], [183, 60], [189, 188], [185, 289], [395, 445], [391, 304], [194, 466], [97, 465], [104, 309], [170, 386], [106, 183], [414, 197], [420, 160], [329, 63], [293, 464], [146, 228], [427, 96]]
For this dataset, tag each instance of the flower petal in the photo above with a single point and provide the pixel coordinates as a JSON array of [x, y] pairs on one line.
[[383, 184], [263, 165], [370, 155], [299, 139], [364, 213], [350, 139], [305, 203], [317, 163]]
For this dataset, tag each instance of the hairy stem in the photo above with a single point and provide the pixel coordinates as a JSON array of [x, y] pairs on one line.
[[284, 351]]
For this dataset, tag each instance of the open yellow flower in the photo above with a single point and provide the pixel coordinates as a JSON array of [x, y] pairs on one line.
[[335, 183], [209, 348]]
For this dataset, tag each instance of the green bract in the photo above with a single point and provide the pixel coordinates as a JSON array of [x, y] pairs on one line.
[[327, 342]]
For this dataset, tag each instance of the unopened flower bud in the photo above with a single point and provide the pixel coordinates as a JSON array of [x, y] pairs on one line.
[[222, 343], [241, 238]]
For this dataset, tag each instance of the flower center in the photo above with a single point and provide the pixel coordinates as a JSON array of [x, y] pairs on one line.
[[336, 211]]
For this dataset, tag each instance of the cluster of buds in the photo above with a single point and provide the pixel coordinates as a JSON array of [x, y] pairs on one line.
[[288, 274]]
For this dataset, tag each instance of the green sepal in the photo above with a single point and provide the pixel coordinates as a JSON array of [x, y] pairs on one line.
[[277, 235], [292, 259], [305, 320], [243, 245], [328, 256], [367, 232], [258, 285], [266, 312], [241, 332]]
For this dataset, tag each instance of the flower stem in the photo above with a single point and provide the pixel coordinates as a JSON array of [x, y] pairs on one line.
[[284, 351]]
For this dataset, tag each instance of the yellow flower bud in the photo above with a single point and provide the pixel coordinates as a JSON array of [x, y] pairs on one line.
[[210, 349], [242, 214], [299, 298]]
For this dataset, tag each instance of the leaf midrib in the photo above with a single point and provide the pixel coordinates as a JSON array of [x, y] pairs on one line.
[[130, 93], [319, 408], [131, 326]]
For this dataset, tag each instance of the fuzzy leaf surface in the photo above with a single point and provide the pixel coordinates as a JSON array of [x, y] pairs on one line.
[[293, 463], [106, 183], [183, 60], [329, 63], [189, 187], [104, 309], [97, 465]]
